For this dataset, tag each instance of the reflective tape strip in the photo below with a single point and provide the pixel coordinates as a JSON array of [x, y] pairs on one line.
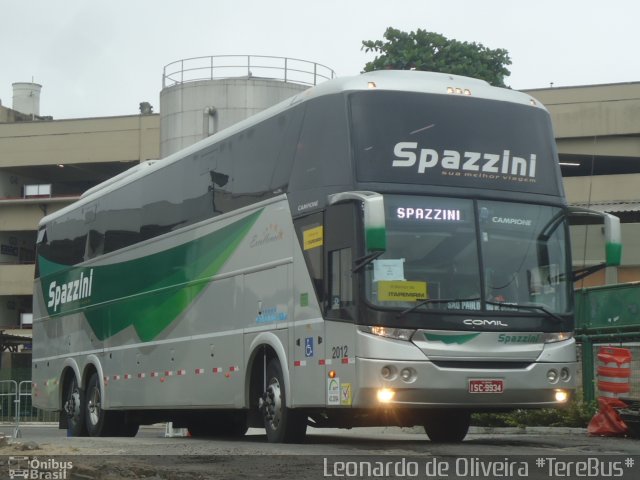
[[349, 360], [116, 377], [234, 369], [322, 361], [168, 373], [217, 370], [300, 363], [141, 375], [127, 376], [182, 372], [154, 374], [613, 379], [199, 371]]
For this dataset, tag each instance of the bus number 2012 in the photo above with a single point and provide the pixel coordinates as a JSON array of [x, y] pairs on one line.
[[341, 351]]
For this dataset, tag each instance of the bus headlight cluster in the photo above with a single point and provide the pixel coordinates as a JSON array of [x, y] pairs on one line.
[[390, 372], [388, 332], [553, 375]]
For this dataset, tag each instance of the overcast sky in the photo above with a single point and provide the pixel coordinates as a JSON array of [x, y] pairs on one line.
[[100, 58]]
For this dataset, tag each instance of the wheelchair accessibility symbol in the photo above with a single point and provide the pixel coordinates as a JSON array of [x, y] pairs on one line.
[[308, 347]]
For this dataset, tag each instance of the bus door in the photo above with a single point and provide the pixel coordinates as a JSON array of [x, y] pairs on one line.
[[308, 344], [342, 224]]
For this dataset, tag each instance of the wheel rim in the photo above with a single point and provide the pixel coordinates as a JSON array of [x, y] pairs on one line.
[[93, 406], [273, 404], [73, 404]]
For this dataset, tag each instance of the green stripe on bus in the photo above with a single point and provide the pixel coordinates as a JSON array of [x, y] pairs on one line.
[[150, 292]]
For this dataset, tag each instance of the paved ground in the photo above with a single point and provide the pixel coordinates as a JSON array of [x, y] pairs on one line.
[[152, 455]]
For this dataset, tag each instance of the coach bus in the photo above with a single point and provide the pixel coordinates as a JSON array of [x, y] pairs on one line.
[[387, 249]]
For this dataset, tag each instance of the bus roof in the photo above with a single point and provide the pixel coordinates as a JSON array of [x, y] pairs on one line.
[[399, 80]]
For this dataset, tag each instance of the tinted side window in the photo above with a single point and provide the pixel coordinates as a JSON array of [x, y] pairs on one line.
[[323, 155]]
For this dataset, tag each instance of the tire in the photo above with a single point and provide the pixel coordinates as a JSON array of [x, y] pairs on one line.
[[282, 424], [73, 407], [100, 422], [447, 426]]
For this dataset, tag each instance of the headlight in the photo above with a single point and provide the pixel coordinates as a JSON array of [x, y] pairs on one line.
[[557, 337], [395, 333]]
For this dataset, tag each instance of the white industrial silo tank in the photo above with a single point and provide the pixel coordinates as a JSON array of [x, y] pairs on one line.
[[26, 97]]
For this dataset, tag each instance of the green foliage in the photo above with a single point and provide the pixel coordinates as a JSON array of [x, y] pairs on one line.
[[422, 50], [575, 414]]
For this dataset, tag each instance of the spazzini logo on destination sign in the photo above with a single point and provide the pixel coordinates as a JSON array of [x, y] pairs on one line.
[[497, 166]]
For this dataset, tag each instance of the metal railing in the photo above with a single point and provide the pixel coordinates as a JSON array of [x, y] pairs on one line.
[[16, 406], [217, 67]]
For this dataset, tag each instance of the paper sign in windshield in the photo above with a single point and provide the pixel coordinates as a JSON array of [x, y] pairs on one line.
[[401, 291], [388, 270]]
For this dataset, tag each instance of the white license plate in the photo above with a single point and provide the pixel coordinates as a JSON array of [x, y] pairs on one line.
[[486, 385]]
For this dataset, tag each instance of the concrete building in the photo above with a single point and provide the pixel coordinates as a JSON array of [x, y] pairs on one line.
[[46, 164], [597, 130]]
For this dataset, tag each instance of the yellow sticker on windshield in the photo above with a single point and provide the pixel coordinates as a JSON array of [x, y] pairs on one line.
[[402, 291]]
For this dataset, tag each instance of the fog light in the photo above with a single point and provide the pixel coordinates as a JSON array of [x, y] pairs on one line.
[[565, 374], [385, 395], [562, 396], [552, 376]]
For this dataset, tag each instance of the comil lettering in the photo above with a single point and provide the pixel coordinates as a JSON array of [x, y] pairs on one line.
[[407, 155], [70, 291]]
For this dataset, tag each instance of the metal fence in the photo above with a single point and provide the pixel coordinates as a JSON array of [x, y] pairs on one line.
[[16, 406]]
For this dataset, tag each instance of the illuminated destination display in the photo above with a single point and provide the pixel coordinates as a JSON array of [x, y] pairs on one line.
[[429, 214]]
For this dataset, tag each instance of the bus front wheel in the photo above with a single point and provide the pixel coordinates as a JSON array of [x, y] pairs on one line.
[[450, 426], [283, 425]]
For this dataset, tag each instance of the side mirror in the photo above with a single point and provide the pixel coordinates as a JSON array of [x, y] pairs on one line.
[[612, 237], [374, 222]]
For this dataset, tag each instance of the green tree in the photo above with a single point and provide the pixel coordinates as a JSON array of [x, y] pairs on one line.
[[422, 50]]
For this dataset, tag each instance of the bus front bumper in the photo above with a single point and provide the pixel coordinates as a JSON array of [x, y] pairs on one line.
[[427, 384]]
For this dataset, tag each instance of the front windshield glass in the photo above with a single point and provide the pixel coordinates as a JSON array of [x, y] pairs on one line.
[[435, 246]]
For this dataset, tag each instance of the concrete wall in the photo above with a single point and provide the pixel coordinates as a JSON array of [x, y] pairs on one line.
[[88, 140], [595, 119], [17, 279]]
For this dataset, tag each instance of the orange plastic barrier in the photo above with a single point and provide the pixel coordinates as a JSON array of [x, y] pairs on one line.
[[614, 373]]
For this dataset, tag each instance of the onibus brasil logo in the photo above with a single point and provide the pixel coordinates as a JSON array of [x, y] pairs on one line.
[[36, 469]]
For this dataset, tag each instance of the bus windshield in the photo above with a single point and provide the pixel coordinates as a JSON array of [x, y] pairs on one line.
[[464, 254]]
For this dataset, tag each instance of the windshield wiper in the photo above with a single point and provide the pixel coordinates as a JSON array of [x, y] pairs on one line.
[[529, 307], [362, 262], [435, 300]]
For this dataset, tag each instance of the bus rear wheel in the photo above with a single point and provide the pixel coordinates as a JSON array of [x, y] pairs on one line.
[[447, 426], [282, 424]]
